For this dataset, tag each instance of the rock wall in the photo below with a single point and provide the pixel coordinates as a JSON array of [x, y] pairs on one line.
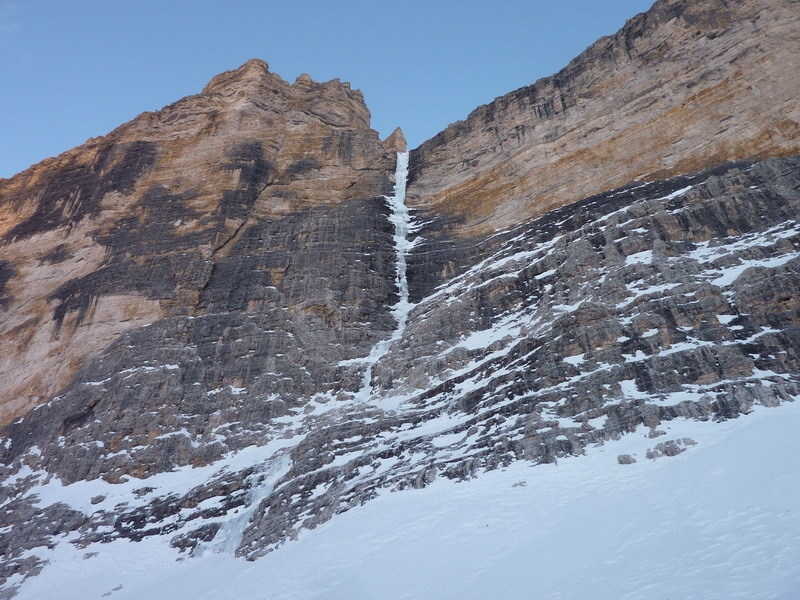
[[187, 302], [616, 314], [681, 88], [169, 214]]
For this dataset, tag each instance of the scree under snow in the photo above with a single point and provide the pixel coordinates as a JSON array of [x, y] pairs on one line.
[[720, 520]]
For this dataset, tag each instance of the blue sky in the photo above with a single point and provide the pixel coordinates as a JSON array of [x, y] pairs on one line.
[[74, 70]]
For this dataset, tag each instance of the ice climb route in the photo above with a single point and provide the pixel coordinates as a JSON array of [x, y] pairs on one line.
[[404, 226]]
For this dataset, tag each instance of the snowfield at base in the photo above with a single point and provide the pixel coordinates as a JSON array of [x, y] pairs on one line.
[[720, 520]]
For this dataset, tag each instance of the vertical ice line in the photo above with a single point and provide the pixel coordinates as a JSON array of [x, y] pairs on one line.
[[403, 227]]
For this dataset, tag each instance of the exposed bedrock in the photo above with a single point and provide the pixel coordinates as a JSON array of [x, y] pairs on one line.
[[683, 87], [149, 221], [189, 305]]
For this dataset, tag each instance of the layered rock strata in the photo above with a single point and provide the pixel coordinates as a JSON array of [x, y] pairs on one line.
[[188, 301], [683, 87], [248, 196], [615, 314]]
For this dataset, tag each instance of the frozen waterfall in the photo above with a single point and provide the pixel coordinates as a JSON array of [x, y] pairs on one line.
[[403, 227]]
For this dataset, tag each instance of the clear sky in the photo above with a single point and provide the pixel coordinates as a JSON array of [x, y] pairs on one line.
[[75, 69]]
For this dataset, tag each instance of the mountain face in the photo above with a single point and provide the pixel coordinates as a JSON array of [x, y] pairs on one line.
[[140, 226], [681, 88], [205, 333]]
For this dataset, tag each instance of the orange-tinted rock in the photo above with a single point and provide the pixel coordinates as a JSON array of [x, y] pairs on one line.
[[683, 87], [397, 140], [127, 228]]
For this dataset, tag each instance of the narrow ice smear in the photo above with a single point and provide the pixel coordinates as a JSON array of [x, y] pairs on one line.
[[403, 227], [231, 531]]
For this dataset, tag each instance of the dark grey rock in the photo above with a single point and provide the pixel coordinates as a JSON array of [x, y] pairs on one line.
[[617, 314]]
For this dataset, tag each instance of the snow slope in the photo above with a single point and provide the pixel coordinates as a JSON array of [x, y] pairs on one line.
[[719, 520]]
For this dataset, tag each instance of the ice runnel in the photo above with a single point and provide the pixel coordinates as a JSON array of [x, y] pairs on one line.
[[403, 226]]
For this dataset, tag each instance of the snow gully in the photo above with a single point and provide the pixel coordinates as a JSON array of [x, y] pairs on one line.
[[403, 227]]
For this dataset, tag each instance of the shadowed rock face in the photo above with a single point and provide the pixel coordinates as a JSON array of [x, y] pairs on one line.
[[198, 289], [140, 225], [617, 313], [681, 88]]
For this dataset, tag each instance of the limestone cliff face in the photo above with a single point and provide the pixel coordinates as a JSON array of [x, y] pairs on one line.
[[626, 312], [683, 87], [197, 331], [139, 225]]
